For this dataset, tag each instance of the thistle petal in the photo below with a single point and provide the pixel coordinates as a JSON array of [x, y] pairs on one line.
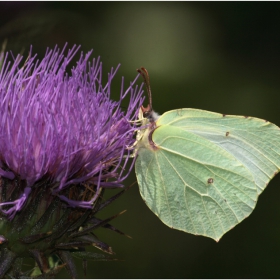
[[63, 127]]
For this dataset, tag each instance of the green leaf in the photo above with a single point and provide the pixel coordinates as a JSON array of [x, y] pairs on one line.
[[201, 172]]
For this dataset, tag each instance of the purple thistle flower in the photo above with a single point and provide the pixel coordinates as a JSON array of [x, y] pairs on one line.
[[64, 127]]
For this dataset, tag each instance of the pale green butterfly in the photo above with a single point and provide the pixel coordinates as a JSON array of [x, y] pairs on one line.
[[201, 172]]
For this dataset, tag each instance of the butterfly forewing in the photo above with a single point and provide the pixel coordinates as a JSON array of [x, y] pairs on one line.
[[254, 142]]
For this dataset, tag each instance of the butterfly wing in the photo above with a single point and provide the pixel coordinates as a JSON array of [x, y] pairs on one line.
[[254, 142], [203, 171]]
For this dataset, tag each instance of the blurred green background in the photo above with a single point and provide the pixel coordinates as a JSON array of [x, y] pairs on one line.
[[217, 56]]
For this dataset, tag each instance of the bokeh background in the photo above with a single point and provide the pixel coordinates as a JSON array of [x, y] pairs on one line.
[[217, 56]]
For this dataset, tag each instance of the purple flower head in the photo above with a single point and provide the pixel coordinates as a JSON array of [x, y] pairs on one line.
[[64, 127]]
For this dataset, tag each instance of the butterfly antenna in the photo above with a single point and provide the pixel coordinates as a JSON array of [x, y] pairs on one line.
[[144, 73], [146, 77]]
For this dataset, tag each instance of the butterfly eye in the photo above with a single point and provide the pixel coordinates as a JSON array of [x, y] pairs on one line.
[[146, 114]]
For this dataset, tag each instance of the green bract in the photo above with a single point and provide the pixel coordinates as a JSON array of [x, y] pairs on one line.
[[201, 172]]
